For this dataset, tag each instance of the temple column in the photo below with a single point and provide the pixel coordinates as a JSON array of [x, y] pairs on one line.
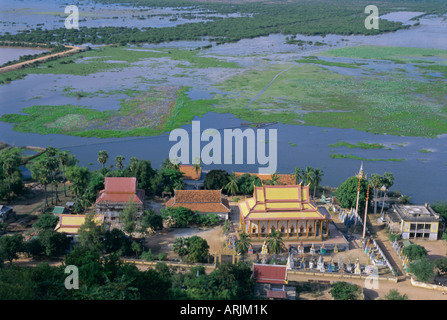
[[288, 230], [259, 227], [249, 228], [307, 228], [321, 229]]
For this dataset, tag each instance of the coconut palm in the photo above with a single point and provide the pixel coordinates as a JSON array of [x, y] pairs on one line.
[[308, 175], [232, 187], [179, 185], [298, 175], [275, 242], [275, 179], [243, 243], [197, 165]]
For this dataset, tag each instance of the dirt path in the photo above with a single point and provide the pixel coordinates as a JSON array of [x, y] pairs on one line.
[[25, 64]]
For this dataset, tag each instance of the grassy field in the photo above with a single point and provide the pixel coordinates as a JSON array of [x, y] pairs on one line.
[[116, 58], [310, 94]]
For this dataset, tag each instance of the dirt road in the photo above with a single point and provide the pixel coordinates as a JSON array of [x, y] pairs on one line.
[[25, 64]]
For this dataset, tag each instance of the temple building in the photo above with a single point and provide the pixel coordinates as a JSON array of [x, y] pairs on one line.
[[70, 224], [118, 192], [201, 201], [415, 221], [287, 209]]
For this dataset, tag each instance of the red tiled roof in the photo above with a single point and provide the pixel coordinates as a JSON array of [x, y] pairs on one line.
[[120, 184], [199, 200], [121, 189], [276, 274], [276, 294], [190, 172], [285, 179]]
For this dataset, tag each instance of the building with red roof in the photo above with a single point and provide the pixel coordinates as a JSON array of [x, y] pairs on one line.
[[117, 193], [201, 201], [270, 273], [271, 281]]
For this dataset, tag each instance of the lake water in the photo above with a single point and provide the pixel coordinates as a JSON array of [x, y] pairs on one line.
[[422, 176], [10, 53]]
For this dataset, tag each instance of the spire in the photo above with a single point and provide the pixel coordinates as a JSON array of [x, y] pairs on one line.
[[360, 174]]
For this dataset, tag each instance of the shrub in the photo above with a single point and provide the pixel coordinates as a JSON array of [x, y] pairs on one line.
[[147, 255], [415, 252], [345, 291]]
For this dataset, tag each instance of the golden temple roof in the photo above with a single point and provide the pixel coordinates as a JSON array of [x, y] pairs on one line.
[[280, 202]]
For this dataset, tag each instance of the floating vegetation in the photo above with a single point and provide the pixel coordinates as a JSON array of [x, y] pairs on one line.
[[361, 145], [350, 156]]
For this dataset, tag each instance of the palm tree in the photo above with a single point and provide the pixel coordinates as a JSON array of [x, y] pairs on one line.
[[179, 185], [119, 162], [275, 179], [102, 158], [10, 165], [133, 162], [79, 177], [180, 247], [275, 242], [63, 160], [52, 164], [197, 165], [232, 186], [388, 181], [243, 243], [41, 173], [298, 175], [318, 176], [308, 175], [375, 182]]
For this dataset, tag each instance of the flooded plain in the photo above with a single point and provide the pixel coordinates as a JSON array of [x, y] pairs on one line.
[[421, 175]]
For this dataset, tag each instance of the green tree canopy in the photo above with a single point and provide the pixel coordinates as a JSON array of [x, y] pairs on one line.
[[10, 246], [181, 217], [415, 252], [198, 249], [345, 291], [46, 221], [423, 270], [346, 193], [216, 180]]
